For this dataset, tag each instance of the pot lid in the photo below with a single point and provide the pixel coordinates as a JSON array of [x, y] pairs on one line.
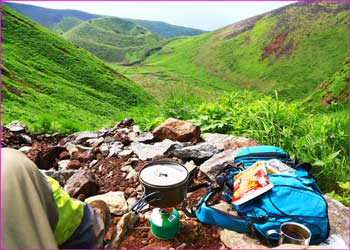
[[163, 173]]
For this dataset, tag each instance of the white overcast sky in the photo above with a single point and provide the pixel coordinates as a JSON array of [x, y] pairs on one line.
[[202, 15]]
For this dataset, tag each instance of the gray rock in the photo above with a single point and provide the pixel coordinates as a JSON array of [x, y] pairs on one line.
[[126, 168], [126, 223], [81, 137], [83, 149], [136, 129], [82, 183], [125, 153], [115, 149], [144, 137], [198, 153], [95, 142], [338, 214], [71, 148], [16, 126], [235, 240], [217, 163], [61, 176], [104, 148], [62, 165], [24, 149], [26, 138], [124, 130], [131, 175], [147, 152], [191, 166], [224, 142], [131, 202], [115, 200], [92, 163]]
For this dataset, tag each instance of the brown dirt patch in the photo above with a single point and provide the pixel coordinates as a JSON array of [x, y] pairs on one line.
[[275, 45], [14, 90]]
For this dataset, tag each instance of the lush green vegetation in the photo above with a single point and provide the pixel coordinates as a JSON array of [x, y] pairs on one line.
[[313, 46], [113, 39], [167, 30], [48, 17], [65, 24], [49, 83]]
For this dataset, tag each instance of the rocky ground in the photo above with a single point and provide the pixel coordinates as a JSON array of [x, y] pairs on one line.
[[105, 164]]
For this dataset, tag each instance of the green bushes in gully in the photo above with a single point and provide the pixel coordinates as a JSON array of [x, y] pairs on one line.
[[319, 137]]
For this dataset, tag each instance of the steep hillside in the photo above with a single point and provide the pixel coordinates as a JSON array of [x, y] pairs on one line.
[[113, 39], [47, 81], [65, 24], [334, 90], [292, 49], [62, 20], [49, 17], [167, 30]]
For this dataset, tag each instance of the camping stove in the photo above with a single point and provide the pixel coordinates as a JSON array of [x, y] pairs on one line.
[[165, 186]]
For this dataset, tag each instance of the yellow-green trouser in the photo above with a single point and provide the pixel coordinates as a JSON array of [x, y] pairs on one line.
[[37, 213]]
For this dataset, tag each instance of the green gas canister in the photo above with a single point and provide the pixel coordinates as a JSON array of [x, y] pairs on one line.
[[165, 223]]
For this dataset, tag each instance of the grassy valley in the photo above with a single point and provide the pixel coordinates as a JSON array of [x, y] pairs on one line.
[[292, 50], [49, 83]]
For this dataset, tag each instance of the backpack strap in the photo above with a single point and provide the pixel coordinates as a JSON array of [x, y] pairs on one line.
[[210, 215]]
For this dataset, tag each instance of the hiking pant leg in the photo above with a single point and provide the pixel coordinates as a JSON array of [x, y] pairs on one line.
[[29, 211]]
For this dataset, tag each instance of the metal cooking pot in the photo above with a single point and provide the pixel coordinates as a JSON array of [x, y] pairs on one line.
[[165, 182]]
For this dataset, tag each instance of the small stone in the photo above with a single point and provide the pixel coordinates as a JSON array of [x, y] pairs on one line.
[[16, 126], [74, 164], [125, 153], [126, 168], [64, 155], [131, 175], [104, 148], [92, 163], [26, 138], [62, 165], [24, 149], [129, 190]]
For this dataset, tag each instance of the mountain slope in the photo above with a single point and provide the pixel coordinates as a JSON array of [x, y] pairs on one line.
[[47, 79], [292, 49], [113, 39], [167, 30], [52, 19], [48, 17]]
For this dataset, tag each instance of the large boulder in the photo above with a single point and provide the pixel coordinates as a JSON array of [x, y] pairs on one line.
[[216, 164], [177, 130], [45, 156], [82, 184], [198, 153], [148, 152]]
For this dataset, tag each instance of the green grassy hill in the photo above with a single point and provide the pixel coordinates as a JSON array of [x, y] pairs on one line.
[[65, 24], [47, 82], [292, 49], [167, 30], [113, 39]]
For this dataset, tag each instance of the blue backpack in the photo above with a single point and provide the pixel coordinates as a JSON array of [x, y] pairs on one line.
[[293, 198]]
